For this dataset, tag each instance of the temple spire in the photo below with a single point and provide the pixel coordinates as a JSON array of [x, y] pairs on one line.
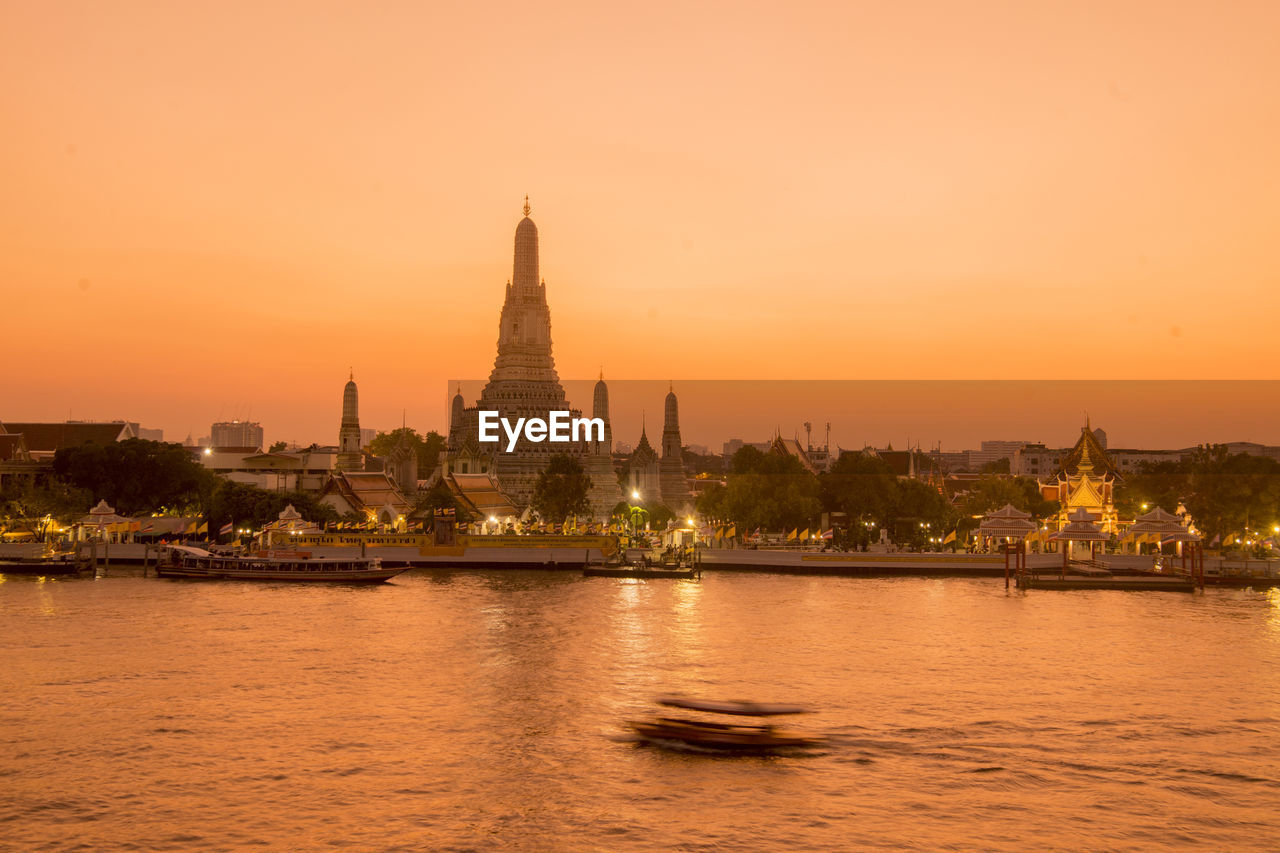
[[527, 209]]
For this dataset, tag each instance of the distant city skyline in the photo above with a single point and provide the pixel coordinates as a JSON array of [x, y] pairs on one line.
[[1134, 414]]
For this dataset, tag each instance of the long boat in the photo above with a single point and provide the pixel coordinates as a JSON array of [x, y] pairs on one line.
[[722, 736], [638, 572], [50, 564], [185, 561]]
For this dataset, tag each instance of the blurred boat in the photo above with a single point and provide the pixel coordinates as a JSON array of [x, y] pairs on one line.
[[715, 734]]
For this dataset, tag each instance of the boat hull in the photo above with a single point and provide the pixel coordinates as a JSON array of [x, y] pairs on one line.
[[370, 576], [602, 572], [722, 739], [37, 567]]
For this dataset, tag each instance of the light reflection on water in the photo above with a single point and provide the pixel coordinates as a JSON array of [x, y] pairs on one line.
[[475, 710]]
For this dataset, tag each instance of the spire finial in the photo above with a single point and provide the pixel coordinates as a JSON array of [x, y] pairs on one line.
[[526, 204], [602, 373], [351, 375]]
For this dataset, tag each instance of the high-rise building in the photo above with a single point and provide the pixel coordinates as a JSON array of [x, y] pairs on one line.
[[236, 434]]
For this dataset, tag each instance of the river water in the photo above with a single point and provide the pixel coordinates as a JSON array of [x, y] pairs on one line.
[[477, 711]]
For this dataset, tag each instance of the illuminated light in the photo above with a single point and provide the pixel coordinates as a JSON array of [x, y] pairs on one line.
[[635, 495], [208, 451]]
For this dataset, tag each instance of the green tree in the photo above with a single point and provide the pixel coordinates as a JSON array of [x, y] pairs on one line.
[[1225, 494], [428, 448], [1159, 484], [134, 475], [712, 502], [277, 447], [25, 507], [241, 503], [659, 515], [710, 464], [561, 490], [768, 490], [863, 487], [993, 492], [1229, 494], [921, 511]]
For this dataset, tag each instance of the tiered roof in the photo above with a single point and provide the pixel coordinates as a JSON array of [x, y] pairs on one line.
[[1009, 521], [1163, 524], [791, 447], [1088, 457], [366, 491], [481, 494], [1080, 528]]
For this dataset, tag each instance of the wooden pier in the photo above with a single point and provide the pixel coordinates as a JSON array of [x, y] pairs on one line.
[[1161, 583]]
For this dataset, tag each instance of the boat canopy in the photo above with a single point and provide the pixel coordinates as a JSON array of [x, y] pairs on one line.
[[741, 709]]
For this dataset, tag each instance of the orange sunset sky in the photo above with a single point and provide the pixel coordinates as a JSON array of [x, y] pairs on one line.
[[211, 210]]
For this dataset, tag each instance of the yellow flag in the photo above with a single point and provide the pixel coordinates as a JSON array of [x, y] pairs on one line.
[[951, 537], [791, 535], [805, 535], [733, 531]]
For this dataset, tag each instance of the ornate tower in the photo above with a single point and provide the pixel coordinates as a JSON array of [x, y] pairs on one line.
[[524, 328], [522, 384], [349, 456], [600, 409], [605, 492], [674, 481], [645, 474], [403, 463]]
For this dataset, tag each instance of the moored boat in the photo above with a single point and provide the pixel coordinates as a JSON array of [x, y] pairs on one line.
[[49, 564], [637, 572], [185, 561]]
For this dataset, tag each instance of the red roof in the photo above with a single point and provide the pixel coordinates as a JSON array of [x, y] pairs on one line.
[[12, 447], [46, 438]]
